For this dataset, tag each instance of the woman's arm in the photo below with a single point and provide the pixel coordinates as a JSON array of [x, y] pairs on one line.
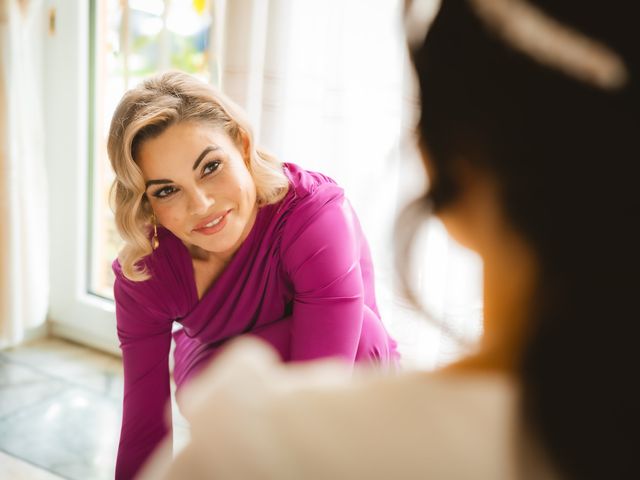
[[322, 259], [145, 341]]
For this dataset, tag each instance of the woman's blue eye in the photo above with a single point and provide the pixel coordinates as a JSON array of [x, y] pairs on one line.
[[210, 167], [164, 192]]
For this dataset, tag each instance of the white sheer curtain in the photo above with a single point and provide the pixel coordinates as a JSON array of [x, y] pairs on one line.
[[328, 86], [24, 259]]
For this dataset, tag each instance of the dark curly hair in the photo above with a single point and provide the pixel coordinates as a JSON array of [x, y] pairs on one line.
[[564, 154]]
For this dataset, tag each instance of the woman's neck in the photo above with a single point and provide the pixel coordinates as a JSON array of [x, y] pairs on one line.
[[510, 272]]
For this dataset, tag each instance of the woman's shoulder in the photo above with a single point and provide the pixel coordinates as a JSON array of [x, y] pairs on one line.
[[420, 424], [312, 197], [167, 288], [318, 420], [161, 264], [304, 183]]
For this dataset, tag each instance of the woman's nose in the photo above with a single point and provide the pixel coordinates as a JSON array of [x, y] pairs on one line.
[[200, 202]]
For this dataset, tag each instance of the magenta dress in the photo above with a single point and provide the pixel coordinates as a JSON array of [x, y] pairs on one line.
[[302, 280]]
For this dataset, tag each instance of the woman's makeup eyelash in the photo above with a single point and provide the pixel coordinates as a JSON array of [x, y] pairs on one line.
[[169, 190], [215, 163]]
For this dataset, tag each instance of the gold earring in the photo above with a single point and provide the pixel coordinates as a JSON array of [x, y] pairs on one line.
[[155, 243]]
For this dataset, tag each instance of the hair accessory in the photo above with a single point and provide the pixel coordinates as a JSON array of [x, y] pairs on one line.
[[551, 43], [155, 243]]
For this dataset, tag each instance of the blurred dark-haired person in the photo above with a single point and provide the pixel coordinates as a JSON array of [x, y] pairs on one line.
[[528, 126]]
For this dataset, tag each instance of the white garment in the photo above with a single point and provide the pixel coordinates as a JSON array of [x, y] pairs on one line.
[[254, 418]]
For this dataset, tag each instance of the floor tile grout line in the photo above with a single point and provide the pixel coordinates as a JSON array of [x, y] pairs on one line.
[[26, 460], [26, 410], [9, 358], [51, 376], [32, 406]]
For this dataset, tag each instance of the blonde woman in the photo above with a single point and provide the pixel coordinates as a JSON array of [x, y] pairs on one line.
[[224, 240]]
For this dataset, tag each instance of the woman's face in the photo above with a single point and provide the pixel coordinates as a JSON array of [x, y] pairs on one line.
[[199, 186]]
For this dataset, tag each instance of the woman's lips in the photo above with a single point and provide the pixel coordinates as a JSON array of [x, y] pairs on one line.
[[213, 224]]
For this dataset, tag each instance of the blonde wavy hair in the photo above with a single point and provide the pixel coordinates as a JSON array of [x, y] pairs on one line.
[[146, 111]]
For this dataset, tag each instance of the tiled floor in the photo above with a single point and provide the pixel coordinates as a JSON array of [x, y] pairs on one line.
[[60, 412], [15, 469]]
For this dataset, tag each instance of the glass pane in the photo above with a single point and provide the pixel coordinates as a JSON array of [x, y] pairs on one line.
[[131, 40]]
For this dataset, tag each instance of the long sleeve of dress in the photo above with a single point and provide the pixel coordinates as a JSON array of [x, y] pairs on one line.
[[322, 258], [145, 339]]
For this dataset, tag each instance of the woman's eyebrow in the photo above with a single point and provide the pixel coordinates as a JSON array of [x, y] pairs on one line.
[[210, 148], [161, 181]]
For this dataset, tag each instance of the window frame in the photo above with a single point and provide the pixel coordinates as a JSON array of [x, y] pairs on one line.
[[74, 313]]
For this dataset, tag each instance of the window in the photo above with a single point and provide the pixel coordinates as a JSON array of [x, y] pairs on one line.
[[131, 40], [84, 81]]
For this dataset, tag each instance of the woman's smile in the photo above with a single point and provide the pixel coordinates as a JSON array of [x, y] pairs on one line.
[[213, 224]]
